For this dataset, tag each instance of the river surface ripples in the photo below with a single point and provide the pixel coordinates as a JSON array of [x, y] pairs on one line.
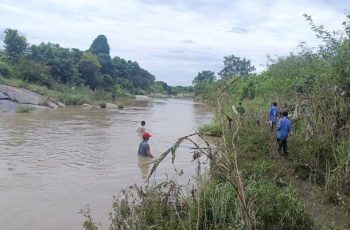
[[53, 163]]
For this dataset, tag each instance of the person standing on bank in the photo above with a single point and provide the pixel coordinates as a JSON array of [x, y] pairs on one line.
[[144, 148], [283, 128], [141, 129], [273, 114]]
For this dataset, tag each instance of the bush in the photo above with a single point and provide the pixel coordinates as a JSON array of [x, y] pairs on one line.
[[23, 109], [5, 70], [32, 71], [73, 98], [278, 208], [212, 129]]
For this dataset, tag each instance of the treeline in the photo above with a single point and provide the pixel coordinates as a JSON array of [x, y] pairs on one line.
[[49, 64], [206, 82]]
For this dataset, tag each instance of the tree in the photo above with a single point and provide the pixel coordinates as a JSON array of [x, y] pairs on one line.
[[32, 71], [106, 64], [60, 60], [15, 45], [234, 66], [100, 45], [5, 69], [206, 77], [88, 67]]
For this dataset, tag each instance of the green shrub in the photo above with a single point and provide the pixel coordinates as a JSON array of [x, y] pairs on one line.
[[5, 69], [23, 109], [212, 129], [73, 99], [277, 207]]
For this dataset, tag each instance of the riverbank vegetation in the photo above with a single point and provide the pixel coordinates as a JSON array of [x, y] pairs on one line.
[[250, 186], [75, 76]]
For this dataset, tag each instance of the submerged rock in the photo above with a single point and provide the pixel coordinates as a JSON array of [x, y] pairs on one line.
[[110, 106], [142, 98], [86, 106]]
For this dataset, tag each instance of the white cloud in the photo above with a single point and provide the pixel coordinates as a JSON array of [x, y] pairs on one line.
[[174, 40]]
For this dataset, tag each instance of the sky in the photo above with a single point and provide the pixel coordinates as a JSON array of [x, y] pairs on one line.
[[174, 40]]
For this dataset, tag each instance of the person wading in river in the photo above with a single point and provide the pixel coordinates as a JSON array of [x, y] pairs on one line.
[[283, 128], [144, 148], [141, 129]]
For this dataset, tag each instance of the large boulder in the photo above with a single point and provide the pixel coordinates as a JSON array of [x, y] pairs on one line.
[[20, 95], [11, 98], [12, 106]]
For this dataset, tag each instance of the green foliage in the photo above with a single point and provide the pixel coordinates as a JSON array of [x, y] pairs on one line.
[[31, 71], [95, 68], [88, 67], [204, 77], [162, 88], [15, 45], [23, 109], [184, 90], [215, 207], [100, 45], [212, 129], [60, 60], [5, 69], [278, 208], [235, 66]]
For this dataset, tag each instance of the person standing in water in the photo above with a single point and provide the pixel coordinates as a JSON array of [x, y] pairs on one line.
[[141, 129], [273, 114], [144, 148]]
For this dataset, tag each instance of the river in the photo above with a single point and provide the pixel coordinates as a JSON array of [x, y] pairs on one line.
[[55, 162]]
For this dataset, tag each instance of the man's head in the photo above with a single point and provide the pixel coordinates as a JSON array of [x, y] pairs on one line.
[[146, 136], [285, 113], [274, 103], [143, 123]]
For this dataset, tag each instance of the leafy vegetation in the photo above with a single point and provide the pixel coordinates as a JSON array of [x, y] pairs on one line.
[[249, 185], [23, 109], [52, 66]]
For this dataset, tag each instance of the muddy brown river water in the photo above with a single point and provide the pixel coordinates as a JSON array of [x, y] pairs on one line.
[[53, 163]]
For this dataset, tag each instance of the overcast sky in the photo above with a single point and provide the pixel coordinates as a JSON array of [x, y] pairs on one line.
[[174, 40]]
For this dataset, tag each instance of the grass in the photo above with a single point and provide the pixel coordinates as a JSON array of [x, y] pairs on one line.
[[214, 205], [23, 109], [212, 129]]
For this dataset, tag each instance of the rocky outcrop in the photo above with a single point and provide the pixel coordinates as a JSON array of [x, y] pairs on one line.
[[11, 98]]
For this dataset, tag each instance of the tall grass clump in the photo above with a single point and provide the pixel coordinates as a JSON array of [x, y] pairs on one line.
[[23, 109], [212, 129], [278, 207]]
